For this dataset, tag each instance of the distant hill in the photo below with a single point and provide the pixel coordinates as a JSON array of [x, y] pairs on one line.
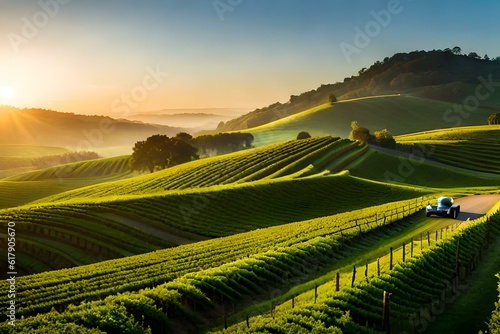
[[201, 121], [399, 114], [76, 132], [439, 75]]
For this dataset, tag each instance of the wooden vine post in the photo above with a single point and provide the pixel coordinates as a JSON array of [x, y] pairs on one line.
[[386, 314]]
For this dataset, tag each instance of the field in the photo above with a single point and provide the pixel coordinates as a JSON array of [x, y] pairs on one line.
[[17, 158], [479, 145], [398, 114], [230, 241]]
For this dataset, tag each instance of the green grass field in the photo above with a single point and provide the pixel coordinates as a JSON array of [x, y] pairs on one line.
[[398, 114]]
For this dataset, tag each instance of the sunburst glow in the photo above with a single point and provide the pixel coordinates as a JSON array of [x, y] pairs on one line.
[[6, 92]]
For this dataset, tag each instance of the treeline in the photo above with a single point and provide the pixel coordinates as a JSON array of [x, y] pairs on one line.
[[160, 151], [66, 158]]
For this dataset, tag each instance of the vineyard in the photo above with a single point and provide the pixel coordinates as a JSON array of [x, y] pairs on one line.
[[419, 290], [208, 262], [479, 144], [95, 231], [246, 241], [273, 161], [494, 324], [77, 170], [386, 167]]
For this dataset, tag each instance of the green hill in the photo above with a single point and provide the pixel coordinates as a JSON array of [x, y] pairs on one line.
[[292, 159], [398, 114], [439, 75], [19, 158], [475, 148], [80, 132]]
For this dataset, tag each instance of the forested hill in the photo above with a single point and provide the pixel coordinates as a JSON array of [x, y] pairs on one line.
[[443, 75], [80, 132]]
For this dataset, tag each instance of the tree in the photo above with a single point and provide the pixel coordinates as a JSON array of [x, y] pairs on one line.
[[384, 138], [303, 135], [494, 119], [456, 50], [332, 98], [160, 152], [359, 133], [486, 57], [474, 55]]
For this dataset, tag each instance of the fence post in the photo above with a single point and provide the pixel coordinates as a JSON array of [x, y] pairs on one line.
[[366, 270], [404, 251], [293, 301], [436, 236], [429, 238], [457, 262], [248, 322], [411, 248], [353, 276], [390, 260], [315, 293], [421, 241], [337, 285], [386, 315]]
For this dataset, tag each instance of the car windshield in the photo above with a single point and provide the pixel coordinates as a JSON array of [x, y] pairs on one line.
[[445, 201]]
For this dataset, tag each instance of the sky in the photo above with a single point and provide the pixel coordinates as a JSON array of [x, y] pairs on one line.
[[116, 57]]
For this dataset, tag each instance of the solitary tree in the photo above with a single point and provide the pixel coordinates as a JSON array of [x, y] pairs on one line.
[[303, 135], [474, 55], [494, 118], [384, 138], [456, 50], [332, 98], [359, 133]]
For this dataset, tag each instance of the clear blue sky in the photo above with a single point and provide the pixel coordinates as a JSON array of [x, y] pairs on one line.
[[245, 54]]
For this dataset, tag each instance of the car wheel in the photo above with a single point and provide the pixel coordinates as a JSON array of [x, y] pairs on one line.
[[428, 214], [454, 213]]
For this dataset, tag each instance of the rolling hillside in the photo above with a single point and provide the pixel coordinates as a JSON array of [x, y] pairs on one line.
[[26, 187], [79, 132], [475, 148], [438, 75], [292, 158], [398, 114], [19, 158]]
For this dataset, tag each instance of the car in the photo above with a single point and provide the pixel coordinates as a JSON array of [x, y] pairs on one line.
[[444, 208]]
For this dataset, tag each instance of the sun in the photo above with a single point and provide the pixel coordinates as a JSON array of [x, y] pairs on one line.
[[6, 92]]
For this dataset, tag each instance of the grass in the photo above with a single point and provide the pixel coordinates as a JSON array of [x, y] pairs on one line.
[[398, 114]]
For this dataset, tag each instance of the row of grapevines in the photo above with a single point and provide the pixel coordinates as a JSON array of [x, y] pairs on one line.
[[39, 293], [414, 285]]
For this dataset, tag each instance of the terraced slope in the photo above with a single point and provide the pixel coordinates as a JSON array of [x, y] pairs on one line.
[[23, 188], [273, 161], [475, 148], [255, 254], [74, 234], [387, 167], [18, 158]]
